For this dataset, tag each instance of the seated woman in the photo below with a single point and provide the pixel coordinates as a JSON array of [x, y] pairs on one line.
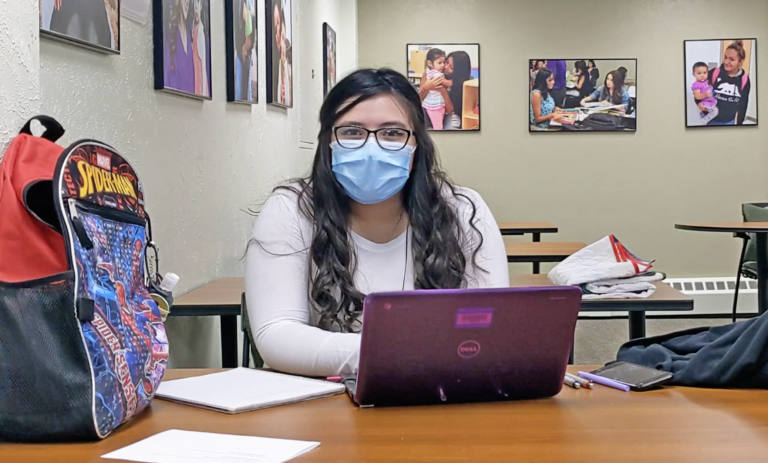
[[583, 85], [542, 109], [376, 213], [612, 93]]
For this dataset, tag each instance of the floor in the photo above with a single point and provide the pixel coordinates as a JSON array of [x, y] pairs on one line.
[[597, 341]]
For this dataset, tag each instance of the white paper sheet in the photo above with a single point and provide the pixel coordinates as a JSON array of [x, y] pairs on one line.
[[177, 446]]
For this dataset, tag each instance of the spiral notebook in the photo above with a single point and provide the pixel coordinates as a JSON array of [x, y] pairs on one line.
[[244, 390]]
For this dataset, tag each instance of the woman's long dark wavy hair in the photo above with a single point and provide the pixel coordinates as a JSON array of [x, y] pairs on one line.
[[618, 87], [540, 83], [439, 245], [462, 72]]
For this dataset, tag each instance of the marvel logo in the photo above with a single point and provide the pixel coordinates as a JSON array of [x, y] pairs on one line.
[[104, 161]]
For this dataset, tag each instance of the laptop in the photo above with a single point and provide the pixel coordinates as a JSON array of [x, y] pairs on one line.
[[457, 346]]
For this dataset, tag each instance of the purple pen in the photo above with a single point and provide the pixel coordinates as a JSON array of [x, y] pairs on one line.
[[604, 381]]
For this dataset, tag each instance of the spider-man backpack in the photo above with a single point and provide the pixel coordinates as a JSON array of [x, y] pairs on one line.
[[82, 344]]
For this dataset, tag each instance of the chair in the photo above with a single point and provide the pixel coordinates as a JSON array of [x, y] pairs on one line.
[[752, 212], [249, 344]]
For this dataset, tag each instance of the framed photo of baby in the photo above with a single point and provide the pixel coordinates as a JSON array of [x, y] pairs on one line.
[[279, 52], [182, 43], [93, 24], [720, 82], [242, 51], [329, 58], [447, 77]]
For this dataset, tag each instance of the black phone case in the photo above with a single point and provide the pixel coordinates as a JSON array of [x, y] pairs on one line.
[[653, 382]]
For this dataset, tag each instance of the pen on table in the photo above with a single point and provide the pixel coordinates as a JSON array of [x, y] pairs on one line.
[[604, 381], [570, 382], [334, 379], [583, 382]]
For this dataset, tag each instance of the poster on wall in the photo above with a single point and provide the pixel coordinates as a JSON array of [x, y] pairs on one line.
[[329, 58], [242, 49], [447, 77], [182, 43], [279, 53], [582, 95], [720, 83], [90, 23]]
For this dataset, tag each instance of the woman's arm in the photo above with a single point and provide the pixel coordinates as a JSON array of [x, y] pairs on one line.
[[586, 100], [537, 117], [276, 269], [447, 98], [741, 115], [492, 270]]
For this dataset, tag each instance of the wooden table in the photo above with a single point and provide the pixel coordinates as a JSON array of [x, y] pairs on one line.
[[527, 228], [666, 298], [541, 252], [602, 425], [219, 298], [523, 228], [760, 230]]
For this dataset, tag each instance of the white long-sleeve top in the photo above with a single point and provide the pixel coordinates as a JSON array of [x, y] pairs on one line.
[[277, 281]]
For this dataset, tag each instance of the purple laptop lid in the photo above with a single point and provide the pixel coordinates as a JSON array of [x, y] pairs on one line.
[[451, 346]]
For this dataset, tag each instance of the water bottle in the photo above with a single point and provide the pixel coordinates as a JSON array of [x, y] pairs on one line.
[[162, 294]]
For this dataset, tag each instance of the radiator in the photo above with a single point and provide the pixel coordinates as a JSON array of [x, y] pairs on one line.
[[715, 295]]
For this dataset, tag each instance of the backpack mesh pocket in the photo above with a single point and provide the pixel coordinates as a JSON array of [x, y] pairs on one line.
[[45, 379]]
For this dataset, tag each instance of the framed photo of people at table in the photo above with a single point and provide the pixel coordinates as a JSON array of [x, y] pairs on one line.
[[279, 47], [93, 24], [582, 95], [242, 51], [182, 47], [447, 77], [720, 82]]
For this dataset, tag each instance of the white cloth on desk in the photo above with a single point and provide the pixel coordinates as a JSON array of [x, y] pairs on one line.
[[602, 260], [640, 286]]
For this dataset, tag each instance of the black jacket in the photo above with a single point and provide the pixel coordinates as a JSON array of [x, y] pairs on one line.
[[732, 356], [732, 98]]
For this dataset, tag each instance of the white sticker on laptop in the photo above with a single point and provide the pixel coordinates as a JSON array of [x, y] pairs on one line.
[[474, 318]]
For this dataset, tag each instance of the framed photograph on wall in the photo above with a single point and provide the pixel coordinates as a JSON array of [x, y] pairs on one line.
[[582, 95], [242, 51], [93, 24], [279, 53], [447, 77], [329, 58], [182, 44], [720, 82]]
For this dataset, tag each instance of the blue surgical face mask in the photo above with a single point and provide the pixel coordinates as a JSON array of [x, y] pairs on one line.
[[371, 174]]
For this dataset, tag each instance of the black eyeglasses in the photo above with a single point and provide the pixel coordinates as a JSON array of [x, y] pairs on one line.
[[389, 138]]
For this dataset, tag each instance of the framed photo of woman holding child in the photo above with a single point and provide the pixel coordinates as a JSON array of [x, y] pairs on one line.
[[242, 48], [447, 77], [279, 53], [182, 47], [720, 82]]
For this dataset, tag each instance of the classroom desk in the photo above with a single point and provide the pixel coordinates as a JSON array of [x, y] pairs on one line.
[[219, 298], [541, 252], [666, 298], [602, 425], [526, 228], [760, 230]]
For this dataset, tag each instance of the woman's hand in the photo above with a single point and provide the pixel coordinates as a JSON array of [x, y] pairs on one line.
[[606, 103], [57, 4], [557, 117], [431, 84], [584, 101]]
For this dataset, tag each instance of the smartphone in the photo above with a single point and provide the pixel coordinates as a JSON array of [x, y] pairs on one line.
[[637, 377]]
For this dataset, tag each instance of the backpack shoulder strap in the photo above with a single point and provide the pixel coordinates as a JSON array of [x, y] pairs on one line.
[[744, 79], [715, 74]]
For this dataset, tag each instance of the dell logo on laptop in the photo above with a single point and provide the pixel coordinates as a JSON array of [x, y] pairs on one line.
[[469, 349]]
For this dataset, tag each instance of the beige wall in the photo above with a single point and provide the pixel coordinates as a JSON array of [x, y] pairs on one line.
[[635, 186]]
